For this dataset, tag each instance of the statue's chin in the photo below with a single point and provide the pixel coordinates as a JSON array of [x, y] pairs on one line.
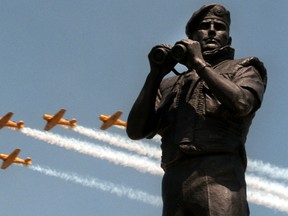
[[210, 51]]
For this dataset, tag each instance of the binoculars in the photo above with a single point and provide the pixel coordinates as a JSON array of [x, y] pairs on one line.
[[159, 55]]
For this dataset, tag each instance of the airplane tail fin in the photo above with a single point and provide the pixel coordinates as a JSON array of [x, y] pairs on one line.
[[28, 161], [73, 122], [20, 124]]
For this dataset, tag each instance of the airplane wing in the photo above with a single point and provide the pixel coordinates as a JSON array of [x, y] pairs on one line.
[[111, 120], [54, 120], [5, 119], [9, 160]]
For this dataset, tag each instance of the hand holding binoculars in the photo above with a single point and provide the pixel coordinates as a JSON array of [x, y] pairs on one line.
[[160, 54]]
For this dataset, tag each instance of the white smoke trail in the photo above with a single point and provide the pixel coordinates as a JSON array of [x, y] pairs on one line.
[[267, 186], [272, 189], [120, 141], [255, 166], [258, 166], [142, 164], [119, 190], [267, 200], [267, 169], [156, 138], [254, 195], [120, 127]]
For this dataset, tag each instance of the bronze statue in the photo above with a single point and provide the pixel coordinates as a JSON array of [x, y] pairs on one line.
[[203, 116]]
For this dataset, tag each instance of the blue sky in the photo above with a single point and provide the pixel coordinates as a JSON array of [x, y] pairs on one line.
[[90, 57]]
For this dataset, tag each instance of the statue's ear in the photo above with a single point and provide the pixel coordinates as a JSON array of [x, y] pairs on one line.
[[230, 41]]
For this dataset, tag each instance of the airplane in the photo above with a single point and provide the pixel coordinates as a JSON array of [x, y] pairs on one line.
[[53, 120], [12, 158], [6, 122], [108, 121]]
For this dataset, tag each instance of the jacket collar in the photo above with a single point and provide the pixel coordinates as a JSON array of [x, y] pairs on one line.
[[218, 55]]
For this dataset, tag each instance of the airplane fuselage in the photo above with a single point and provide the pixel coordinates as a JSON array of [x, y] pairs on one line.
[[6, 122], [18, 125], [8, 159], [61, 121], [119, 122]]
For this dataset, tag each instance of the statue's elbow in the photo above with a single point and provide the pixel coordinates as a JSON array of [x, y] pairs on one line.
[[132, 136], [243, 108], [132, 133]]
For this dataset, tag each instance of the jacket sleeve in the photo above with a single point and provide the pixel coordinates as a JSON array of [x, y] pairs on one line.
[[251, 75]]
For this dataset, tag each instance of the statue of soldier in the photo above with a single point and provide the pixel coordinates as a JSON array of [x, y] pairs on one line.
[[203, 116]]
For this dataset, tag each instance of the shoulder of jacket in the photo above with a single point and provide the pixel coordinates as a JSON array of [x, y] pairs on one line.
[[246, 62], [253, 61], [256, 63]]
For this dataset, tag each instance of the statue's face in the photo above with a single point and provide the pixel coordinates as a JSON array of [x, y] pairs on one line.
[[212, 34]]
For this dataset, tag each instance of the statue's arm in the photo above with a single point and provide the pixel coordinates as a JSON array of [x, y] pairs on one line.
[[241, 100], [142, 117]]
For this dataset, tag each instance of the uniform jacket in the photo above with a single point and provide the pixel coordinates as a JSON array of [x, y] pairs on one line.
[[192, 121]]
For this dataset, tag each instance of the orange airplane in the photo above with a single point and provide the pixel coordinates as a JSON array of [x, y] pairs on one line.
[[6, 122], [12, 158], [53, 120], [108, 121]]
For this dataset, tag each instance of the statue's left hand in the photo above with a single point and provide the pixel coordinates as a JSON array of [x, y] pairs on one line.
[[193, 53]]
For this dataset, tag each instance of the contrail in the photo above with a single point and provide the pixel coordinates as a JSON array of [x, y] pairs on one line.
[[156, 138], [267, 186], [144, 149], [267, 200], [119, 190], [267, 169], [257, 166], [142, 164], [254, 195], [120, 141]]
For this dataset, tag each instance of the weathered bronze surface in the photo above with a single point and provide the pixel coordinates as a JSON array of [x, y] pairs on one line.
[[203, 116]]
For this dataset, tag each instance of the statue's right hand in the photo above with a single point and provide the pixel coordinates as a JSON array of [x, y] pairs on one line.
[[160, 59]]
